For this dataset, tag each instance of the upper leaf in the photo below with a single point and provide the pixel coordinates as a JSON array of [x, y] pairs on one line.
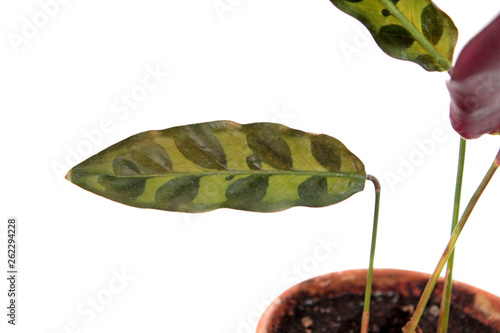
[[195, 168], [414, 30], [475, 85]]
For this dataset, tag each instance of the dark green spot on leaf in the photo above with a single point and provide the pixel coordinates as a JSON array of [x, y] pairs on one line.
[[122, 188], [254, 163], [324, 150], [247, 192], [200, 146], [432, 23], [313, 191], [269, 146], [124, 166], [385, 12], [395, 37], [143, 158], [177, 194], [427, 62]]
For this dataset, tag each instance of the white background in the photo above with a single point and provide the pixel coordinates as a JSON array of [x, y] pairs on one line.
[[280, 61]]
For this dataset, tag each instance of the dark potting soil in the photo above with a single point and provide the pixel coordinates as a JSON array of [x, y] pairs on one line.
[[389, 313]]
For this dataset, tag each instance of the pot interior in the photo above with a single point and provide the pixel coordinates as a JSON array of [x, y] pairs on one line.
[[334, 303]]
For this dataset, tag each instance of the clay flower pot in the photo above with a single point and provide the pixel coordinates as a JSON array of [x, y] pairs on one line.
[[334, 303]]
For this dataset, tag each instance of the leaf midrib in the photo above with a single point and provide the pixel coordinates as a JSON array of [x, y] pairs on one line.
[[250, 172]]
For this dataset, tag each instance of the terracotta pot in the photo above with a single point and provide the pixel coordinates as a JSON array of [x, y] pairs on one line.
[[333, 303]]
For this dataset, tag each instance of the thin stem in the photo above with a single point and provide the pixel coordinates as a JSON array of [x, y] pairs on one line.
[[368, 292], [448, 284], [412, 324], [419, 37]]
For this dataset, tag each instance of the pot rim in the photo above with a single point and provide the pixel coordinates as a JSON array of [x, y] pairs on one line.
[[485, 304]]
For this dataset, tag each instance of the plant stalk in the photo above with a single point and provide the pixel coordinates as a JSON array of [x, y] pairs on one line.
[[413, 323], [448, 284], [368, 292]]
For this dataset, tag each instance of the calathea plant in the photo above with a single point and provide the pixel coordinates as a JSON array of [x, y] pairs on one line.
[[266, 167]]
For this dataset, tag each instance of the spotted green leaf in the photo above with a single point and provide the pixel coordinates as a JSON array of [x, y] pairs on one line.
[[414, 30], [262, 167]]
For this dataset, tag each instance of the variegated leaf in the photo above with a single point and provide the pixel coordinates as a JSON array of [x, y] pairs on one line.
[[413, 30], [262, 167]]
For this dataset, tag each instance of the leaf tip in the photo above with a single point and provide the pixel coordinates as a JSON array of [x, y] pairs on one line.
[[68, 175]]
